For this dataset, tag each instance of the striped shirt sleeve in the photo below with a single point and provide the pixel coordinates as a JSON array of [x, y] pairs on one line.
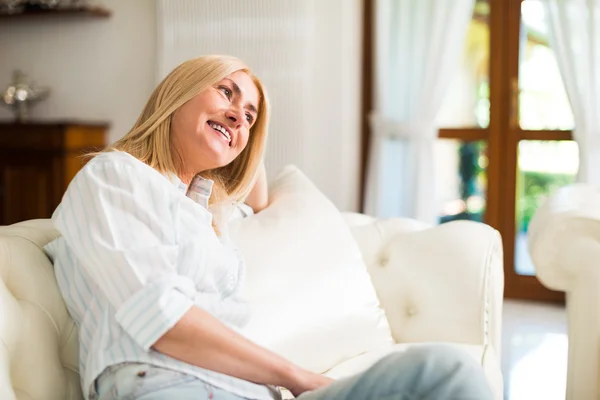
[[122, 230]]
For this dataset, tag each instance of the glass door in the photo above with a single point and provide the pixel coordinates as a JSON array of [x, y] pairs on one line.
[[540, 153], [506, 141]]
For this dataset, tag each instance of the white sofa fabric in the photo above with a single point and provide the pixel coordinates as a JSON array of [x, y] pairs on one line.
[[439, 284], [564, 243]]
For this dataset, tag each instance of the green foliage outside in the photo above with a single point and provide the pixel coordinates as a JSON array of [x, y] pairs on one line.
[[469, 171], [532, 189]]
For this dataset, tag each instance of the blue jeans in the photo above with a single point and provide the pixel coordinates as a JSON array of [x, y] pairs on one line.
[[433, 372]]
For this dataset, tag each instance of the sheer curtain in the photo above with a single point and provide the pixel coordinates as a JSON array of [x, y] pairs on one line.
[[418, 46], [575, 38]]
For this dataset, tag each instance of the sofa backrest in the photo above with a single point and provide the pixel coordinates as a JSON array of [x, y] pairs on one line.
[[38, 338]]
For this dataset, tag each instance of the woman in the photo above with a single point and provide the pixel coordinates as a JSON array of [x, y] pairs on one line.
[[153, 283]]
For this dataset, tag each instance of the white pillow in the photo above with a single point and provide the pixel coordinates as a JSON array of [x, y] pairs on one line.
[[311, 295]]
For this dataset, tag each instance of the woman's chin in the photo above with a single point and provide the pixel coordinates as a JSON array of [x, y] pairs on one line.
[[220, 157]]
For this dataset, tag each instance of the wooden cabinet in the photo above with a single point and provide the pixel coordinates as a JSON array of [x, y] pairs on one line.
[[37, 163]]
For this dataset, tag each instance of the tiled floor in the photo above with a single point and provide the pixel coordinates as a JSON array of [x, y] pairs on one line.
[[534, 351]]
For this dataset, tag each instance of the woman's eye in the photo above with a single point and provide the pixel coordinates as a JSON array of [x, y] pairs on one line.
[[226, 91], [249, 118]]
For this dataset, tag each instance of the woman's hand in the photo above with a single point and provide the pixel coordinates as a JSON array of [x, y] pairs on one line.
[[306, 381], [258, 198]]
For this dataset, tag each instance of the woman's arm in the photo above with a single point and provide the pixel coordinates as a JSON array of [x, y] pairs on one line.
[[258, 198], [202, 340]]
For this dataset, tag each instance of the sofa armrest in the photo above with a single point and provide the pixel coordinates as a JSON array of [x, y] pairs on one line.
[[564, 237], [564, 243], [438, 284]]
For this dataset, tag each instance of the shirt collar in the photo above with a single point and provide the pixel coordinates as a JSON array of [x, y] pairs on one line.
[[199, 189]]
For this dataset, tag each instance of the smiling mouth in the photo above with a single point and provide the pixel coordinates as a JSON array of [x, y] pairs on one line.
[[221, 129]]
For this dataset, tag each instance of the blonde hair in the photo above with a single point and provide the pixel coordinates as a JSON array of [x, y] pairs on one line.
[[150, 138]]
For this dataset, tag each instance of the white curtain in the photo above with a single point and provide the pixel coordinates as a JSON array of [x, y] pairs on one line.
[[418, 46], [575, 37]]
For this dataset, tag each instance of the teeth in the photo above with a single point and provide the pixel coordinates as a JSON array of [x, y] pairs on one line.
[[221, 129]]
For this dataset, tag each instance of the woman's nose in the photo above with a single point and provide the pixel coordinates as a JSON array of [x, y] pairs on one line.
[[234, 115]]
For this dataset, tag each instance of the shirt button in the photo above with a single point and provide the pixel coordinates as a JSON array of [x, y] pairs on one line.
[[141, 374]]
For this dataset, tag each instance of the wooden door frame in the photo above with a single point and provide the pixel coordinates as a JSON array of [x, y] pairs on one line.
[[497, 110], [517, 286], [368, 77]]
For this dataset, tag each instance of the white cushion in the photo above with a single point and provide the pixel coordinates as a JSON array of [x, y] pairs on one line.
[[311, 295]]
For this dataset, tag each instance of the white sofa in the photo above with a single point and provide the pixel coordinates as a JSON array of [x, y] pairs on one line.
[[440, 284], [564, 242]]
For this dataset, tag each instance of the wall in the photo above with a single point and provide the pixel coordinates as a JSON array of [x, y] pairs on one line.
[[337, 113], [98, 69], [105, 69]]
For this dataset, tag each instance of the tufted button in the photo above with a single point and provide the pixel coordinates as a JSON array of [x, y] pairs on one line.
[[384, 261], [411, 311]]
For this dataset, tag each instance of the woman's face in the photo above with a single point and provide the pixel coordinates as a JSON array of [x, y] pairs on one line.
[[212, 129]]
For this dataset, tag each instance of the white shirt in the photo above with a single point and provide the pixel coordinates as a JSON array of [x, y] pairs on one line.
[[134, 256]]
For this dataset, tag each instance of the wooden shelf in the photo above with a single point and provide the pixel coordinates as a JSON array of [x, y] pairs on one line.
[[62, 123], [83, 11]]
